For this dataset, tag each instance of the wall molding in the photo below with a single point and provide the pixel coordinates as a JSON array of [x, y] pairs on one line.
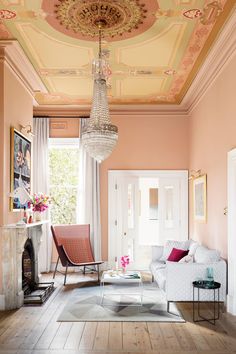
[[219, 56], [13, 55], [122, 110]]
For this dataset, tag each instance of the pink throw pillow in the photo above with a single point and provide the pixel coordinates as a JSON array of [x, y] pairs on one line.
[[176, 255]]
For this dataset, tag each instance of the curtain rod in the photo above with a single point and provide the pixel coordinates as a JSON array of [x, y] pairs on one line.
[[57, 117]]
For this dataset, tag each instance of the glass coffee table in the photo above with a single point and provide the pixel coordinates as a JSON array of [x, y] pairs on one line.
[[122, 284]]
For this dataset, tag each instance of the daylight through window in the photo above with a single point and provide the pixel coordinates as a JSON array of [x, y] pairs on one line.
[[64, 179]]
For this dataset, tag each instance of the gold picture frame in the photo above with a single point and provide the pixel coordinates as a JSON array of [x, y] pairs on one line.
[[20, 166], [200, 198]]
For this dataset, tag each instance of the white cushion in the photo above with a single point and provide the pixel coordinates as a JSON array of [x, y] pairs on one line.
[[170, 244], [204, 255], [192, 248], [186, 259]]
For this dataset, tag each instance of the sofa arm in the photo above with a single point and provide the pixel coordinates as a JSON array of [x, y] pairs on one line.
[[180, 276], [157, 252]]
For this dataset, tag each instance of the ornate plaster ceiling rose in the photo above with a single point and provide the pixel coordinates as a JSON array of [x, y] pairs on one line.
[[120, 19]]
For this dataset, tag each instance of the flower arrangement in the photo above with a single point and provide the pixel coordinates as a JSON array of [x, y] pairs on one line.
[[40, 202], [124, 260]]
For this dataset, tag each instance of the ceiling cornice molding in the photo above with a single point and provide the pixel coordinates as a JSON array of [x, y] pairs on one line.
[[221, 53], [12, 53], [121, 110]]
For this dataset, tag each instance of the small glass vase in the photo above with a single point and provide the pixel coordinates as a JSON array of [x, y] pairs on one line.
[[123, 270], [37, 216]]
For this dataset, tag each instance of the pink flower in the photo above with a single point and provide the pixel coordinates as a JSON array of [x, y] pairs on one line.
[[40, 202], [124, 260]]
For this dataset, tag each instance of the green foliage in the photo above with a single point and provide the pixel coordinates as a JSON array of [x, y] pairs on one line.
[[64, 178]]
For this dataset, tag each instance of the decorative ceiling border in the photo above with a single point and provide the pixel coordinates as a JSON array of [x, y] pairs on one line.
[[12, 53], [220, 54]]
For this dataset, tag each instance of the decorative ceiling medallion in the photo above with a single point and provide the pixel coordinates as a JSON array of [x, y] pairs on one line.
[[7, 14], [114, 17], [120, 19]]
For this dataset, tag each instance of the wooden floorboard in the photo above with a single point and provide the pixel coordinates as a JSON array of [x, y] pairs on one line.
[[35, 330]]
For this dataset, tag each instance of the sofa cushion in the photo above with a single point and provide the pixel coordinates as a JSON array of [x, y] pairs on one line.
[[193, 247], [186, 259], [176, 254], [170, 244], [204, 255], [156, 265], [160, 278]]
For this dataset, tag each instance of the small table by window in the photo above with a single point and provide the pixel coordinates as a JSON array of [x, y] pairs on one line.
[[211, 286]]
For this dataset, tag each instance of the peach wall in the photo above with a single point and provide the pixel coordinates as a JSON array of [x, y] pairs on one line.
[[18, 110], [145, 142], [212, 134], [16, 107], [64, 127]]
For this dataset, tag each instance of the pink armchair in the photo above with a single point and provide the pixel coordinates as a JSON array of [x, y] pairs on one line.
[[74, 247]]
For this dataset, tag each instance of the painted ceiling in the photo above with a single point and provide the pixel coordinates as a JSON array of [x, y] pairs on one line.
[[154, 48]]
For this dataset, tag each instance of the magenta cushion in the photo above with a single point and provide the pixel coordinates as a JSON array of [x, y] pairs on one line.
[[177, 254]]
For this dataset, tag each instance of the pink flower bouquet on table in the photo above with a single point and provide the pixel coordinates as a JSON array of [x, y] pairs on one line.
[[40, 202], [124, 262]]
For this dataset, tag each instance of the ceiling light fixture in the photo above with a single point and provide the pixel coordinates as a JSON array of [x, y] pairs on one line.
[[99, 136]]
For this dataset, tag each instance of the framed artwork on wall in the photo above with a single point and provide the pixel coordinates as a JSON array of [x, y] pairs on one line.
[[200, 198], [20, 168]]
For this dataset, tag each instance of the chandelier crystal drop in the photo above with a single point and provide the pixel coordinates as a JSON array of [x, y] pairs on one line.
[[99, 137]]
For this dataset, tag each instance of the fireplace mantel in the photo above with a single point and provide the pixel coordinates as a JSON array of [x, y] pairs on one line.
[[12, 241]]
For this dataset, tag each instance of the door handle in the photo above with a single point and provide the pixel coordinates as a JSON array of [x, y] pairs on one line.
[[124, 233]]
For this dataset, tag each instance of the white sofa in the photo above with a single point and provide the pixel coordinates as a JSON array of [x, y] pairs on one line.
[[176, 278]]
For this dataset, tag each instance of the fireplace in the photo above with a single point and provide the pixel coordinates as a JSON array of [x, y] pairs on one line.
[[34, 292], [28, 268]]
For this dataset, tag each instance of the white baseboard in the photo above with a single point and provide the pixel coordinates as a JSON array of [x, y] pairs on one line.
[[2, 302], [231, 305]]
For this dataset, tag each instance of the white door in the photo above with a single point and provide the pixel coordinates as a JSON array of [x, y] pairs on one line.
[[169, 209], [231, 298], [128, 187], [134, 225]]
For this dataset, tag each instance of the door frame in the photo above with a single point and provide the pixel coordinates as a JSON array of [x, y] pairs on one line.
[[231, 192], [113, 175]]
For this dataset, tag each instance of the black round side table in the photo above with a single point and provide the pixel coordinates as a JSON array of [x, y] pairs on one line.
[[206, 285]]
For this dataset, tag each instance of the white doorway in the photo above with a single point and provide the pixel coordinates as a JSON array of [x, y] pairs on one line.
[[231, 299], [145, 208]]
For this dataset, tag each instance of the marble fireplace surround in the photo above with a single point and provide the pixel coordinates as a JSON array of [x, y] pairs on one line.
[[13, 238]]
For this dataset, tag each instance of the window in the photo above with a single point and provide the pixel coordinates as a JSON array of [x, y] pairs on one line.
[[63, 179]]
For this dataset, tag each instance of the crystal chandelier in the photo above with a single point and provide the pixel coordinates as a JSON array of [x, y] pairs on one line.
[[99, 137]]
